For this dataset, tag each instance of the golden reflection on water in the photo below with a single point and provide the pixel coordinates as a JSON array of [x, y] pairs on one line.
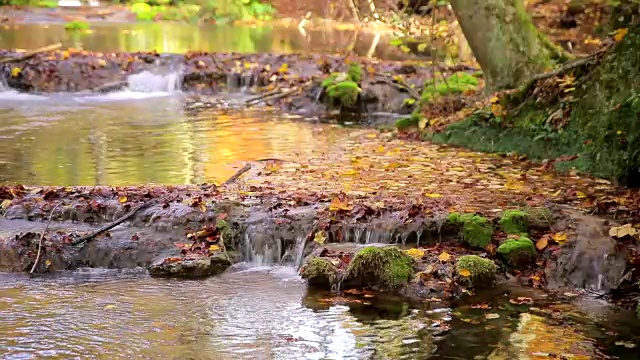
[[62, 142]]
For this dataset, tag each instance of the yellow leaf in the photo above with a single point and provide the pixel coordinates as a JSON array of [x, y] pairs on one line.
[[213, 248], [560, 237], [320, 237], [422, 124], [337, 205], [542, 243], [122, 199], [444, 257], [15, 72], [433, 196], [415, 253], [5, 204], [580, 195], [284, 68], [349, 172], [47, 263], [494, 99], [109, 307], [65, 55], [203, 208], [464, 272], [619, 34], [622, 231], [102, 63]]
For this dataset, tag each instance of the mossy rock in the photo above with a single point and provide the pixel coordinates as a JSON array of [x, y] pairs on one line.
[[320, 273], [475, 229], [385, 268], [192, 268], [476, 272], [514, 222], [518, 252]]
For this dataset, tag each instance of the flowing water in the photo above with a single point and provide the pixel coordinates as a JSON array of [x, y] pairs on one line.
[[145, 135]]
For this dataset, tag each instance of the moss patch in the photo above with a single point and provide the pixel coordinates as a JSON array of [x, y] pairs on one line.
[[596, 121], [518, 252], [514, 222], [475, 229], [387, 268], [475, 271], [320, 273]]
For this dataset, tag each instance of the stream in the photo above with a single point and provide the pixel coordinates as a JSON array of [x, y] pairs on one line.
[[145, 135]]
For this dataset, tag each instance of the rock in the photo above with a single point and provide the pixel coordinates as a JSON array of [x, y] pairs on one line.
[[514, 222], [476, 272], [191, 268], [383, 268], [320, 273], [518, 252], [475, 229], [591, 260], [576, 7]]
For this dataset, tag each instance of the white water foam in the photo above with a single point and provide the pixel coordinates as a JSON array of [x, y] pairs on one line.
[[147, 82]]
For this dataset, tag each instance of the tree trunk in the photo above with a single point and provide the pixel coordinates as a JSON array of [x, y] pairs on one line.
[[504, 40]]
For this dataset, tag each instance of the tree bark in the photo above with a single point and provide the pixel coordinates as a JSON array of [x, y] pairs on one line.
[[504, 40]]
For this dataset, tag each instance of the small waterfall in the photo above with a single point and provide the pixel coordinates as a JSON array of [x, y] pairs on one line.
[[148, 82]]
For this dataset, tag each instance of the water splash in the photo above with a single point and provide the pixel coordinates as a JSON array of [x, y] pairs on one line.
[[148, 82]]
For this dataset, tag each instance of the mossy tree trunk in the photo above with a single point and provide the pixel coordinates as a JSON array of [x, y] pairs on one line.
[[504, 40]]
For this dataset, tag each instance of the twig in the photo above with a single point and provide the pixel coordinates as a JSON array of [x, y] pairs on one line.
[[85, 239], [33, 268], [258, 98], [238, 173], [30, 54], [559, 71]]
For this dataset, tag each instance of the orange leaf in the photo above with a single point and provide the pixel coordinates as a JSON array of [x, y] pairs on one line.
[[542, 243]]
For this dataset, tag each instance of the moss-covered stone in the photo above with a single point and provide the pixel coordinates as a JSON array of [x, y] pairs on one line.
[[386, 268], [320, 273], [514, 222], [475, 229], [475, 271], [518, 252]]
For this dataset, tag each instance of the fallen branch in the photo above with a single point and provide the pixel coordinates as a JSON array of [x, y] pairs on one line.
[[559, 71], [82, 241], [33, 268], [272, 96], [30, 54], [258, 98], [238, 173]]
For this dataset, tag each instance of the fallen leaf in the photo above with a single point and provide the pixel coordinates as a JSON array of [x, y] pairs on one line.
[[109, 307], [464, 272], [433, 196], [122, 199], [320, 237], [622, 231], [15, 72], [5, 204], [560, 237], [491, 316], [444, 257], [415, 253], [213, 248], [619, 34], [47, 263], [542, 243]]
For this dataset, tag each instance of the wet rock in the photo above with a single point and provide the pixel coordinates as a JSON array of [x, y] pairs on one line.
[[321, 273], [591, 260], [475, 229], [514, 222], [476, 272], [383, 268], [518, 252], [191, 268]]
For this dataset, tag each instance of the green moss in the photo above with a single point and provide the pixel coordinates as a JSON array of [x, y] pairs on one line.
[[598, 122], [481, 272], [408, 122], [355, 72], [388, 268], [458, 82], [76, 25], [345, 91], [320, 272], [518, 252], [514, 222], [475, 229]]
